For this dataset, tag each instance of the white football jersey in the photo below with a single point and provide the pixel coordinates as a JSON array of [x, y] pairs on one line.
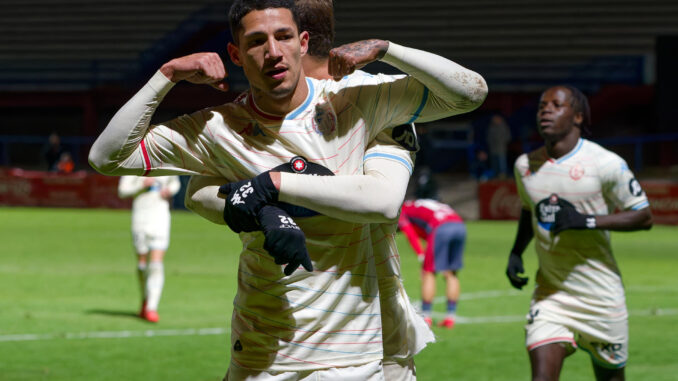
[[576, 267], [330, 317], [150, 211]]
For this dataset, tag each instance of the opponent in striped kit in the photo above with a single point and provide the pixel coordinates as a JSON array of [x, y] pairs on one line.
[[150, 233], [570, 189], [328, 318]]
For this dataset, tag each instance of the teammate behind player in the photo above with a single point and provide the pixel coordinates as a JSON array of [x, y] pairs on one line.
[[290, 324], [150, 233], [569, 189], [445, 235]]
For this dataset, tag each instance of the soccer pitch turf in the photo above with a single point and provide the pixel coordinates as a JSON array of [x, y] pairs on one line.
[[69, 298]]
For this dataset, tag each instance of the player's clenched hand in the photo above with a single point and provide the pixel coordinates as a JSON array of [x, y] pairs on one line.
[[346, 59], [513, 269], [567, 217], [284, 240], [198, 68], [244, 199]]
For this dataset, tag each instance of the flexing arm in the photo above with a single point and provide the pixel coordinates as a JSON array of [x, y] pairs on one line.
[[454, 89], [119, 149]]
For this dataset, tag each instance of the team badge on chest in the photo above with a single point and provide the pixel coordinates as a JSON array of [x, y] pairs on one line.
[[576, 172], [324, 122]]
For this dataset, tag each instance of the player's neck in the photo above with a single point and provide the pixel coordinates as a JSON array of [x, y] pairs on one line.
[[316, 67], [281, 105], [561, 147]]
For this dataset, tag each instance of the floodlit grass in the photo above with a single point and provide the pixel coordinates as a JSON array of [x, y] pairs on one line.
[[68, 299]]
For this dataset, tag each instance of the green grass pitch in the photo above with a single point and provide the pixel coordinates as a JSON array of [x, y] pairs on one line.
[[68, 296]]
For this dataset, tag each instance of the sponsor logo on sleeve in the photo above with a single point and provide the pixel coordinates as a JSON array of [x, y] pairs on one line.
[[406, 137], [634, 187]]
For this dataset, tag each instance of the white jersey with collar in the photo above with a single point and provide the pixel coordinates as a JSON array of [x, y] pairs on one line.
[[328, 318], [577, 268]]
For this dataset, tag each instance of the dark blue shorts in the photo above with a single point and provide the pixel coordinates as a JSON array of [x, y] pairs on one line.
[[448, 246]]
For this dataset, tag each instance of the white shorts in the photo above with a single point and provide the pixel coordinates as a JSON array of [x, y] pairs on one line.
[[145, 241], [606, 341], [372, 371]]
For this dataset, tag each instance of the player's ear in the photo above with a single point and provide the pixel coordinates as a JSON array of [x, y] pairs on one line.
[[234, 53], [578, 119], [303, 40]]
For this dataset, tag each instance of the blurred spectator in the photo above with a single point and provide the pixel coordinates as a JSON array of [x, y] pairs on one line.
[[65, 163], [479, 166], [498, 138], [53, 151]]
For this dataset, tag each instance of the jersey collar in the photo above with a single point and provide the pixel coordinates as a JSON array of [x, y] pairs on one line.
[[291, 115], [576, 149]]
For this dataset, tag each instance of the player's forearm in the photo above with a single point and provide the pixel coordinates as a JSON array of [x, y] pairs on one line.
[[449, 82], [625, 221], [202, 198], [117, 150], [524, 234], [412, 238], [375, 197]]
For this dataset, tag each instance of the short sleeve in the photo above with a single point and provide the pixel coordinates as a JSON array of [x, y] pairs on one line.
[[620, 187]]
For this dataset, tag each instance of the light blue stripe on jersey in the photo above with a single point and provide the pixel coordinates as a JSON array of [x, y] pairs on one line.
[[389, 156], [306, 305], [297, 328], [309, 98], [424, 98], [330, 350], [574, 151], [642, 205], [310, 289]]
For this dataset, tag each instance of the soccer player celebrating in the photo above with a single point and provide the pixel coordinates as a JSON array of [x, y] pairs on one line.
[[290, 324], [569, 189], [445, 235], [150, 233], [377, 196]]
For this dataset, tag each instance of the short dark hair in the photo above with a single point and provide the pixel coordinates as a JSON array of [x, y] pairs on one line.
[[580, 103], [317, 18], [240, 8]]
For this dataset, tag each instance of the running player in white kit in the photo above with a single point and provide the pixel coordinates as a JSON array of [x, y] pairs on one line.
[[150, 233], [570, 189], [291, 325]]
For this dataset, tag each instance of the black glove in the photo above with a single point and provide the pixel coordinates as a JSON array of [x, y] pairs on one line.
[[515, 267], [567, 217], [244, 200], [284, 240]]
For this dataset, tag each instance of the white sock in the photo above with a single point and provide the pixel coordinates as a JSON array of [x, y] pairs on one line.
[[154, 283], [141, 274]]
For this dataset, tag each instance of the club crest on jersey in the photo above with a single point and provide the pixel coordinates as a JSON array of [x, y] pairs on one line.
[[576, 172], [298, 164], [546, 210], [406, 136], [324, 122]]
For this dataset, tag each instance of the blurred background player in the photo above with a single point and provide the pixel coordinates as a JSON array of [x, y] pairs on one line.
[[569, 189], [150, 233], [445, 235]]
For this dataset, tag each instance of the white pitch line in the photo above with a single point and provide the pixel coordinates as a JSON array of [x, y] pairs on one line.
[[115, 334], [522, 318]]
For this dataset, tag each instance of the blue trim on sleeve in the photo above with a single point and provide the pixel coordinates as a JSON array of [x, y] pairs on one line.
[[640, 206], [388, 156], [309, 98], [424, 98]]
